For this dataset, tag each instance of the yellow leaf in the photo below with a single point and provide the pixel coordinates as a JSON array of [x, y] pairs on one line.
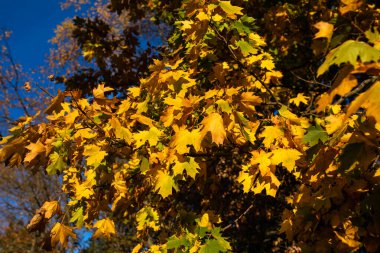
[[190, 166], [245, 178], [373, 37], [85, 133], [213, 123], [205, 220], [271, 134], [36, 149], [51, 208], [60, 233], [183, 138], [147, 217], [152, 136], [135, 91], [341, 89], [124, 107], [94, 155], [70, 118], [202, 16], [137, 248], [217, 18], [120, 131], [230, 9], [100, 90], [350, 5], [106, 228], [262, 159], [333, 123], [267, 64], [142, 119], [368, 100], [85, 190], [325, 30], [286, 157], [165, 184], [335, 109], [195, 247], [299, 99]]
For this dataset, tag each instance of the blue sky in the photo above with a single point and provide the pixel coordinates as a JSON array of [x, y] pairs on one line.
[[32, 23]]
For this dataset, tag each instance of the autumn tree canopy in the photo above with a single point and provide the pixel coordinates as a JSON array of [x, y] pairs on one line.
[[254, 127]]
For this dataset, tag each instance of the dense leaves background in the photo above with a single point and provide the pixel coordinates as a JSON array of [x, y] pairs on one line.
[[210, 126]]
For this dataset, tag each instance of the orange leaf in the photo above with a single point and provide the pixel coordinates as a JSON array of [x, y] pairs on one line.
[[213, 123]]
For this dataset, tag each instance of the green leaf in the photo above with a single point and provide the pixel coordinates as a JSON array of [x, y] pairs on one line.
[[144, 167], [212, 246], [314, 135], [57, 164], [246, 48], [78, 216], [221, 240], [349, 52], [244, 24], [174, 242]]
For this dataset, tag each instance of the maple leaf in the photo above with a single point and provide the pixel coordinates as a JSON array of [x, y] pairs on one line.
[[368, 100], [202, 16], [325, 30], [286, 157], [152, 136], [56, 164], [78, 217], [71, 116], [120, 131], [314, 135], [349, 52], [36, 149], [214, 123], [100, 90], [60, 233], [165, 184], [85, 133], [55, 104], [51, 208], [183, 138], [230, 9], [147, 217], [191, 167], [267, 64], [245, 178], [94, 155], [350, 5], [299, 99], [270, 134], [262, 159], [246, 48], [373, 37], [105, 227], [38, 221], [341, 89], [137, 248]]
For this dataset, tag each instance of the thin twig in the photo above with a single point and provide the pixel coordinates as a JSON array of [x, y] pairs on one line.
[[44, 90], [238, 218], [308, 81], [17, 76]]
